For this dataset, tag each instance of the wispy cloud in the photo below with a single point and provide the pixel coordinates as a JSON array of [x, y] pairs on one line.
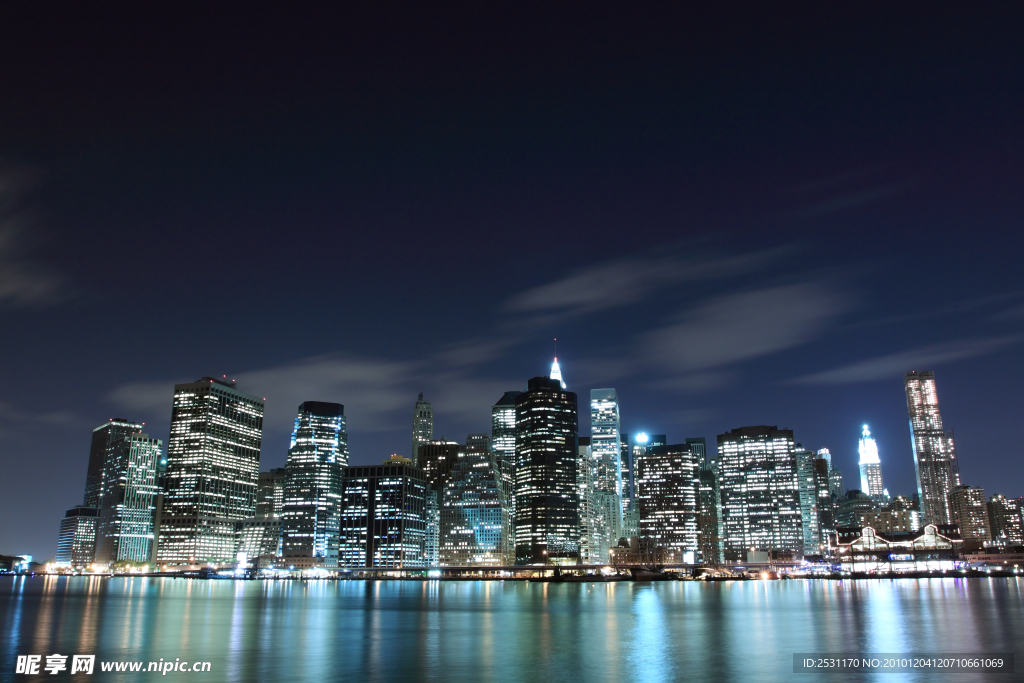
[[23, 282], [627, 280], [852, 199], [894, 365], [738, 327]]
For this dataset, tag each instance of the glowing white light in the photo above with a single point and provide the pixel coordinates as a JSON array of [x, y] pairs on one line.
[[641, 438], [556, 373]]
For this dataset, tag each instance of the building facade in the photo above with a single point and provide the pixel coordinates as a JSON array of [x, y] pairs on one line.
[[422, 425], [547, 498], [760, 491], [606, 452], [213, 462], [270, 493], [668, 498], [938, 471], [871, 468], [311, 506], [969, 511], [127, 502], [475, 524], [383, 516], [103, 439], [1005, 521], [76, 544]]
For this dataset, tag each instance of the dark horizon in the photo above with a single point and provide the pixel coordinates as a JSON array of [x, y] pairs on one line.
[[733, 220]]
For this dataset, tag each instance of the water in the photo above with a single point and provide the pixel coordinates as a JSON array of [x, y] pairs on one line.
[[491, 631]]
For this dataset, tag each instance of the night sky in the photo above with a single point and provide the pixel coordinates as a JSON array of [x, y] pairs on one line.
[[755, 217]]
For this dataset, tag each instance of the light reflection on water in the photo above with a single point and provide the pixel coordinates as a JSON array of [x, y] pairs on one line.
[[504, 631]]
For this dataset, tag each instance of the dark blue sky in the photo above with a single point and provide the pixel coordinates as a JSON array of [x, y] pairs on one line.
[[760, 217]]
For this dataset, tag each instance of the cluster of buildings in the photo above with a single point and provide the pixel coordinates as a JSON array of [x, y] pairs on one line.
[[531, 491]]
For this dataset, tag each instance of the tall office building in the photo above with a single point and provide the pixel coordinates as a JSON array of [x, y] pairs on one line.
[[1006, 524], [809, 500], [547, 498], [503, 442], [383, 521], [871, 468], [935, 463], [760, 491], [76, 545], [103, 438], [270, 493], [606, 451], [969, 511], [127, 501], [626, 460], [475, 527], [586, 480], [213, 463], [709, 535], [422, 425], [436, 460], [311, 508], [668, 497]]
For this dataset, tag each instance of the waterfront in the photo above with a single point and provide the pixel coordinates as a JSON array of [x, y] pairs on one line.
[[504, 631]]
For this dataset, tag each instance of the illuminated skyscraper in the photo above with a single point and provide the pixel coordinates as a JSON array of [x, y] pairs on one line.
[[311, 507], [760, 491], [127, 501], [547, 498], [213, 463], [668, 497], [871, 468], [475, 527], [422, 425], [938, 471], [270, 495], [103, 438], [817, 511], [626, 458], [436, 460], [383, 522], [606, 451], [76, 545], [969, 511], [1005, 522], [556, 373], [503, 443]]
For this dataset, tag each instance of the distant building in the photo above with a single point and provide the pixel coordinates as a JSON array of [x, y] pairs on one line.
[[383, 516], [311, 508], [103, 439], [547, 499], [852, 509], [935, 463], [422, 425], [436, 459], [1005, 521], [476, 526], [259, 538], [760, 492], [668, 495], [76, 545], [898, 516], [586, 484], [213, 462], [270, 493], [127, 501], [503, 443], [626, 460], [970, 512], [871, 468], [709, 531], [815, 500], [606, 452]]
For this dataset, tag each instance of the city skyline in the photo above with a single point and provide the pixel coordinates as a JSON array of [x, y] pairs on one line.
[[703, 217]]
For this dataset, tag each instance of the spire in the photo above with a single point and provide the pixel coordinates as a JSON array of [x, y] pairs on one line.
[[556, 372]]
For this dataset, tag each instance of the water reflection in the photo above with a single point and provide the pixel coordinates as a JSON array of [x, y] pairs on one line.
[[495, 631]]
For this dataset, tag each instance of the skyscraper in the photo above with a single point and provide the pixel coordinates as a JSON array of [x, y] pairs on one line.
[[270, 494], [422, 425], [436, 460], [668, 497], [311, 507], [760, 491], [871, 468], [809, 500], [475, 527], [1005, 522], [213, 462], [709, 534], [103, 438], [935, 463], [626, 458], [503, 443], [606, 451], [969, 511], [382, 516], [127, 500], [76, 545], [556, 373], [547, 498]]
